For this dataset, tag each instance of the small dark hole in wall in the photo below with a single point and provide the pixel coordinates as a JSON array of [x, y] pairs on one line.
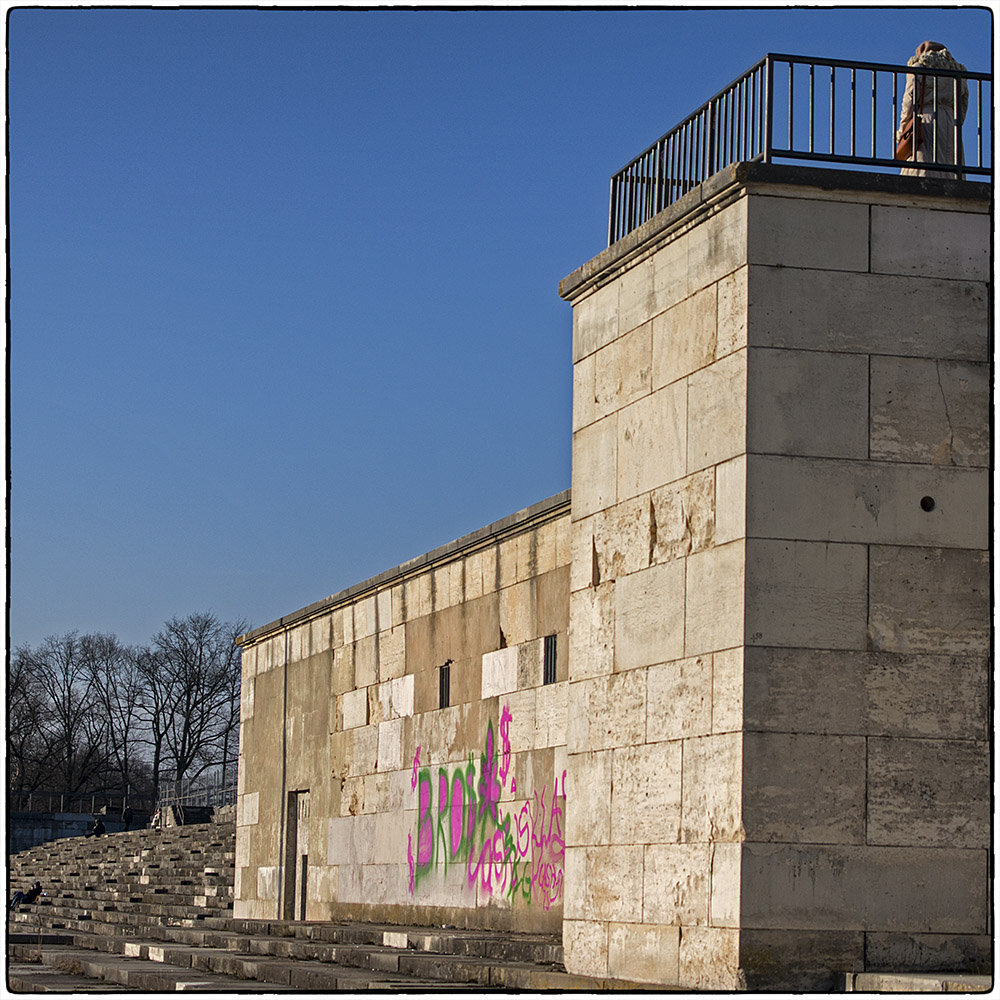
[[927, 503]]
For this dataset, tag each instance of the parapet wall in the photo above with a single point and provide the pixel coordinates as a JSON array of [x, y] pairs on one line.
[[359, 796]]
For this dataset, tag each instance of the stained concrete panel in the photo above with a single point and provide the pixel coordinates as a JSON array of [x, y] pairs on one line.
[[646, 793], [927, 410], [679, 699], [585, 946], [807, 403], [870, 694], [714, 598], [891, 951], [710, 958], [806, 886], [929, 793], [636, 296], [933, 600], [717, 412], [712, 789], [879, 502], [677, 884], [623, 371], [684, 337], [932, 244], [588, 805], [595, 464], [651, 441], [799, 960], [806, 594], [603, 883], [866, 313], [701, 256], [803, 232], [801, 788], [649, 616], [595, 321], [643, 952], [607, 712], [592, 632]]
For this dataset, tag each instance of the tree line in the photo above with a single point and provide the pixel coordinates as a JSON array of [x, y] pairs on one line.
[[89, 714]]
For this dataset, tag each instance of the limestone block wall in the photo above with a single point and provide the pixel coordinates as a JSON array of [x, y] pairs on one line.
[[405, 811], [866, 767], [779, 610], [656, 607]]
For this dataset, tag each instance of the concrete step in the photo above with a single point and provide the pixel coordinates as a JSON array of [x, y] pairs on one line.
[[915, 982], [37, 978], [139, 975], [545, 949]]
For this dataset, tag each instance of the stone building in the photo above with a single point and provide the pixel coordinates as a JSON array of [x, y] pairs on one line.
[[719, 713]]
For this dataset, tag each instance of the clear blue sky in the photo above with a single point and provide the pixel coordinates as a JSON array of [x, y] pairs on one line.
[[283, 285]]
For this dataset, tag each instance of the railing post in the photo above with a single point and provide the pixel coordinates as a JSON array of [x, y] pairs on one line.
[[768, 106], [710, 167], [611, 213]]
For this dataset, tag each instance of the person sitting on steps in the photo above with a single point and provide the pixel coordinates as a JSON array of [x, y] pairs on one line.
[[26, 897]]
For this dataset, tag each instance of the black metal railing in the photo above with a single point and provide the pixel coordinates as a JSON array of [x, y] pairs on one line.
[[799, 108], [85, 803]]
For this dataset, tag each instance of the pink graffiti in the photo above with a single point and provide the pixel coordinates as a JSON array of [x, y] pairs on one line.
[[416, 764], [409, 858], [544, 843], [425, 835], [505, 721], [494, 868], [517, 853], [489, 785], [457, 807]]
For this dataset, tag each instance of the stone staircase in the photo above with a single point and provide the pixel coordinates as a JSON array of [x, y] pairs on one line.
[[151, 911]]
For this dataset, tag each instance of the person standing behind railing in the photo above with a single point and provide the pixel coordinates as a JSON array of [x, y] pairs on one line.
[[929, 104]]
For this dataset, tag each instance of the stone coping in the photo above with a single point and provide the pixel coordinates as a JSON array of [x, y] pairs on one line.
[[522, 520], [725, 186]]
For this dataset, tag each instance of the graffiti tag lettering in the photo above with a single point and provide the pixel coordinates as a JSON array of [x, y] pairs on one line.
[[512, 854]]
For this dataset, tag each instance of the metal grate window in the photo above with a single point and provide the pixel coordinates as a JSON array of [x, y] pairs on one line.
[[549, 668], [444, 685]]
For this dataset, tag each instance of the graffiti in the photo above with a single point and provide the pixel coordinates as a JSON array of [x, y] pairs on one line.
[[416, 762], [516, 854]]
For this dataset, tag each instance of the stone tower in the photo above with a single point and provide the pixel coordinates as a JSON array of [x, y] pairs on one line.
[[779, 616]]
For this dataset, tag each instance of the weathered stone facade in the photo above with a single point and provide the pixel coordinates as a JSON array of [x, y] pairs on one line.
[[402, 809], [780, 586], [764, 756]]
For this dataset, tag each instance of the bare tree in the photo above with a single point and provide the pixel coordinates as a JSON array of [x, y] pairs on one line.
[[118, 686], [190, 680], [28, 755], [230, 718], [152, 712], [73, 732]]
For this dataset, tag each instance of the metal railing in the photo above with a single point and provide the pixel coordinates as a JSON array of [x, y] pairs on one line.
[[196, 793], [83, 803], [799, 108]]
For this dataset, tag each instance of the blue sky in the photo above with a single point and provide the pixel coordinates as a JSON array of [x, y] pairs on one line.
[[283, 284]]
